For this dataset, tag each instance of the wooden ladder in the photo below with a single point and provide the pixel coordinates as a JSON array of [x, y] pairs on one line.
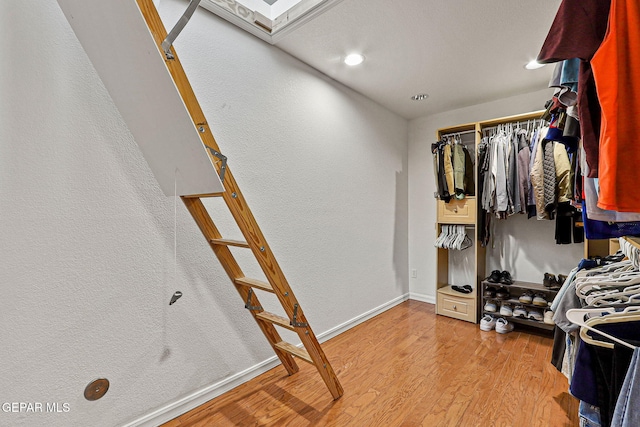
[[254, 240]]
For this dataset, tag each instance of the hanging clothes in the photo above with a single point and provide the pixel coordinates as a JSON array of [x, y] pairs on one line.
[[513, 188], [437, 151], [616, 68], [537, 176], [549, 178], [448, 169], [601, 303], [453, 168], [523, 158], [577, 32]]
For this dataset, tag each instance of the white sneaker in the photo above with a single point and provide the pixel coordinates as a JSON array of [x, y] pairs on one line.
[[503, 327], [519, 311], [539, 300], [487, 323], [506, 310], [490, 306], [548, 317], [535, 315]]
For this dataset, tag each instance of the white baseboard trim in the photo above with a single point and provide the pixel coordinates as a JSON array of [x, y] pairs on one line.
[[325, 336], [192, 401], [422, 297], [200, 397]]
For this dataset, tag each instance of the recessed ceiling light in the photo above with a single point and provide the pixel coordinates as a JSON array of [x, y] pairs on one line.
[[534, 65], [420, 97], [354, 59]]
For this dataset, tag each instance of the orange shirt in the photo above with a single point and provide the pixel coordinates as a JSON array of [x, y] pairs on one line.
[[616, 69]]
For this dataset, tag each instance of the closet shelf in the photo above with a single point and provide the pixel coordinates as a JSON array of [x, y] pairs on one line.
[[447, 290], [521, 285]]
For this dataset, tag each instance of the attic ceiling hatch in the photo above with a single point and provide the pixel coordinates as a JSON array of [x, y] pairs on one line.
[[269, 20]]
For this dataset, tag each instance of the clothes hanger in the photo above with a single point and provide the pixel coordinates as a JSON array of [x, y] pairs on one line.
[[576, 316], [632, 316], [628, 294], [465, 241], [457, 241], [583, 288], [613, 278], [604, 269], [440, 239]]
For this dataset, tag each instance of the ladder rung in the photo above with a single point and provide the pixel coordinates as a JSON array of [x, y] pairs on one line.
[[275, 319], [202, 196], [254, 283], [229, 242], [292, 349]]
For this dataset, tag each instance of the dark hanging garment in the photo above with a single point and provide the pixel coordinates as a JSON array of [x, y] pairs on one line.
[[564, 223], [469, 184], [443, 189]]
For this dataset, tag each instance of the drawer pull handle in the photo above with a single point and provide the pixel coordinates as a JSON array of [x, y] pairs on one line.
[[455, 210], [455, 307]]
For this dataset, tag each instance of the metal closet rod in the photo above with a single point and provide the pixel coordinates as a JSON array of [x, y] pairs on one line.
[[464, 132], [535, 122]]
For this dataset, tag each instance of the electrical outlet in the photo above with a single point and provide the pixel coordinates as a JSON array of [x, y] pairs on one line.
[[414, 273]]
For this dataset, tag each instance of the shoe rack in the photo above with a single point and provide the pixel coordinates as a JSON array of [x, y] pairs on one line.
[[515, 291]]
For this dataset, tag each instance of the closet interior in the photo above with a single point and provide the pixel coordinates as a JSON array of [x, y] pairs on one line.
[[476, 207]]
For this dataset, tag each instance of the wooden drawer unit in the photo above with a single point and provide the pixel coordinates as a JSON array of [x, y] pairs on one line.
[[454, 304], [457, 211]]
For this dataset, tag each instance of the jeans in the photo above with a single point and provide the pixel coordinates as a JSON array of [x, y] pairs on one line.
[[627, 410], [589, 415]]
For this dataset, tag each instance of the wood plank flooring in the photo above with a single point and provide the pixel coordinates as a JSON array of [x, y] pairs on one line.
[[408, 367]]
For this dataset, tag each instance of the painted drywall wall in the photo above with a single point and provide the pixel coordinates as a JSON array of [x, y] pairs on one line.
[[525, 247], [88, 236]]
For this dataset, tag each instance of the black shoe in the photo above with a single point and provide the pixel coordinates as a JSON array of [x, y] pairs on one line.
[[502, 294], [550, 281], [489, 292], [561, 279], [495, 277], [505, 278], [466, 289]]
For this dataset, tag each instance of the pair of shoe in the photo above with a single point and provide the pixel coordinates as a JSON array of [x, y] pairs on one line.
[[503, 277], [551, 282], [548, 317], [528, 297], [466, 289], [532, 314], [488, 323], [491, 292], [492, 307]]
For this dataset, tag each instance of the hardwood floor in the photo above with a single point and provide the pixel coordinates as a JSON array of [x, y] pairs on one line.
[[408, 367]]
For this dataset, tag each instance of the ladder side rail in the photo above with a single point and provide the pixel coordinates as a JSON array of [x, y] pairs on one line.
[[233, 270]]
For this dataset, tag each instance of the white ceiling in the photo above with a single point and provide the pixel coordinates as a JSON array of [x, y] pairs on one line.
[[460, 52]]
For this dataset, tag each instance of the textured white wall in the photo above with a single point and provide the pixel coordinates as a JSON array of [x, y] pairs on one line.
[[525, 247], [88, 237]]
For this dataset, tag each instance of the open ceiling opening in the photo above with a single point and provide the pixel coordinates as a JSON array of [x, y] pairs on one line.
[[268, 19]]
